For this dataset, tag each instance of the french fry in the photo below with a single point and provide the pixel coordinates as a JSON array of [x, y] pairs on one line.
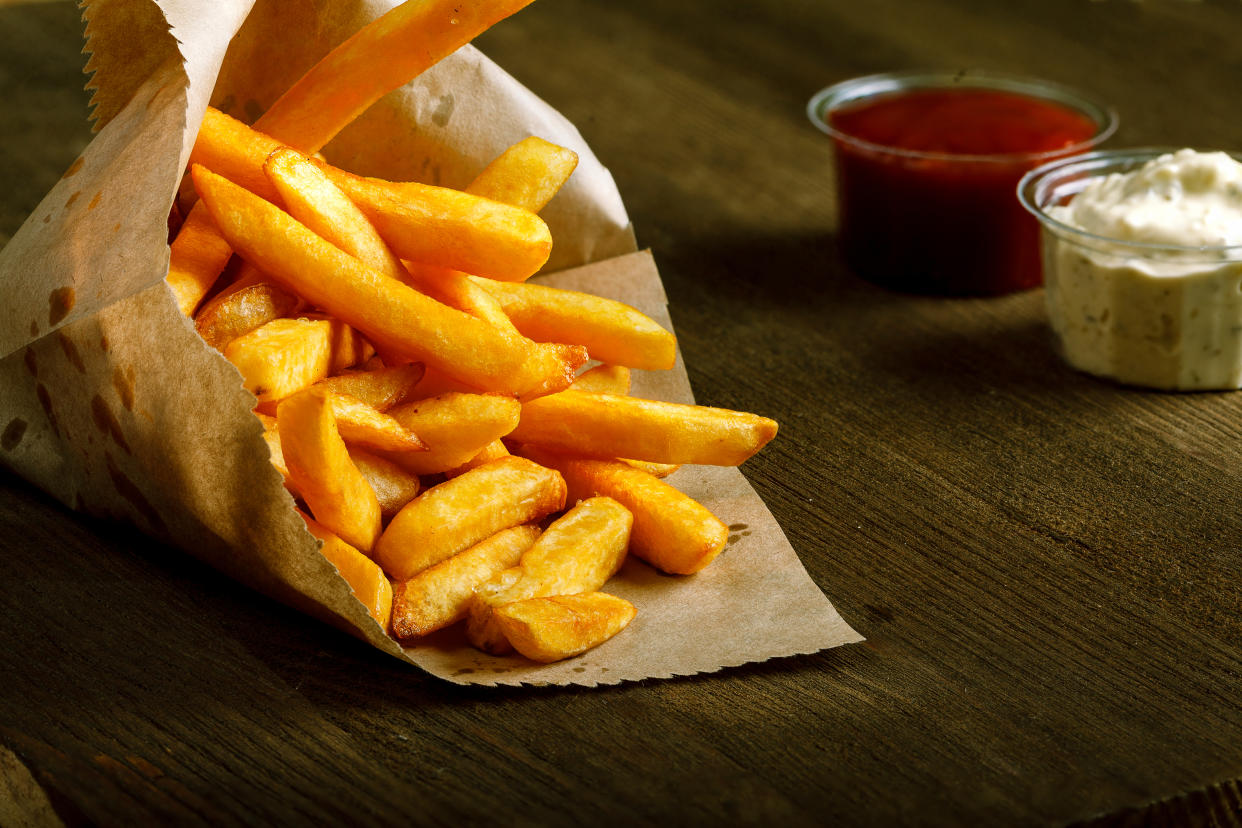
[[455, 289], [393, 315], [610, 425], [459, 513], [492, 451], [241, 311], [578, 552], [361, 425], [611, 331], [287, 355], [672, 531], [527, 174], [440, 595], [367, 580], [454, 427], [319, 465], [615, 379], [319, 204], [603, 379], [393, 486], [380, 57], [381, 388], [451, 228], [561, 626]]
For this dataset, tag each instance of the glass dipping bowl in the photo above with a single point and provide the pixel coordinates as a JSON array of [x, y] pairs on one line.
[[1158, 316], [938, 220]]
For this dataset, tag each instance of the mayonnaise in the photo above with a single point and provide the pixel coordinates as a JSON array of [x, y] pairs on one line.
[[1153, 296]]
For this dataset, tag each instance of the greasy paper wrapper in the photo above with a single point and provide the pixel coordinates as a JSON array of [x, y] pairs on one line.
[[111, 402]]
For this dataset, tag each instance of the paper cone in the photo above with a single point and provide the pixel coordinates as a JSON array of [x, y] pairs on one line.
[[111, 402]]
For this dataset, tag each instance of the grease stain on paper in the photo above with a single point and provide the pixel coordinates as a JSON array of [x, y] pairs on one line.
[[74, 167], [13, 433], [107, 423], [32, 364], [123, 382], [72, 199], [95, 201], [126, 489], [71, 352], [45, 401], [443, 111], [59, 302]]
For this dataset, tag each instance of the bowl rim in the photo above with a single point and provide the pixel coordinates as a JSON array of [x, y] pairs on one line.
[[1104, 162], [886, 83]]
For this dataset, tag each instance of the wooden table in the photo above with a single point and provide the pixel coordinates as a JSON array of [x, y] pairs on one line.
[[1046, 567]]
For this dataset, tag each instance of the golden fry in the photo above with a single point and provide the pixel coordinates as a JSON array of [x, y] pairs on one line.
[[378, 58], [609, 425], [196, 259], [397, 318], [459, 513], [581, 550], [492, 451], [672, 531], [287, 355], [526, 175], [241, 311], [561, 626], [367, 580], [603, 379], [611, 331], [361, 425], [319, 465], [393, 486], [381, 388], [450, 228], [319, 204], [440, 595], [454, 427]]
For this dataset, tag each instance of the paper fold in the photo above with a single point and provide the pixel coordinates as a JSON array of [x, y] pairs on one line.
[[111, 402]]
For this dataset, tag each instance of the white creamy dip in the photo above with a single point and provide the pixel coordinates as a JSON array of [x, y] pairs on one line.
[[1137, 300]]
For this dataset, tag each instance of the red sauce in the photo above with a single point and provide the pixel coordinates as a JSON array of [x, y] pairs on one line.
[[946, 225]]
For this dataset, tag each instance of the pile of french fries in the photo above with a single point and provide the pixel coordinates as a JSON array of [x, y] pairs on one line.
[[462, 442]]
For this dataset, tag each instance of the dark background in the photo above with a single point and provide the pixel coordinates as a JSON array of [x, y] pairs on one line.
[[1046, 567]]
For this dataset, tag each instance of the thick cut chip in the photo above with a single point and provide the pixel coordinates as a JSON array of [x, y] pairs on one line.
[[319, 204], [456, 290], [393, 486], [197, 257], [363, 575], [492, 451], [381, 388], [450, 228], [459, 513], [603, 379], [672, 531], [579, 552], [336, 493], [526, 175], [439, 596], [561, 626], [610, 425], [287, 355], [361, 425], [454, 427], [241, 311], [611, 331], [394, 316]]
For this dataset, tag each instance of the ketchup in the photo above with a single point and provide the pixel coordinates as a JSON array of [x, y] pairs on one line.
[[927, 181]]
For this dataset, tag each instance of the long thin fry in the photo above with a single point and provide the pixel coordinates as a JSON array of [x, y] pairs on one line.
[[526, 175], [378, 58], [394, 316], [609, 425]]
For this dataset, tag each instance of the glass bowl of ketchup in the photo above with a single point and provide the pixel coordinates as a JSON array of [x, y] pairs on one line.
[[927, 169]]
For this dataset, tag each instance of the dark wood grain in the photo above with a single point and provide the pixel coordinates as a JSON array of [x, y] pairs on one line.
[[1046, 567]]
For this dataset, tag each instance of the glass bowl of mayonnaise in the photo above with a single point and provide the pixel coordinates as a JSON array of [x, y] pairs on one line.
[[1142, 260]]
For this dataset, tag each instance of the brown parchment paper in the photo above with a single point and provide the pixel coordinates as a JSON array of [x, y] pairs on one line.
[[110, 401]]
